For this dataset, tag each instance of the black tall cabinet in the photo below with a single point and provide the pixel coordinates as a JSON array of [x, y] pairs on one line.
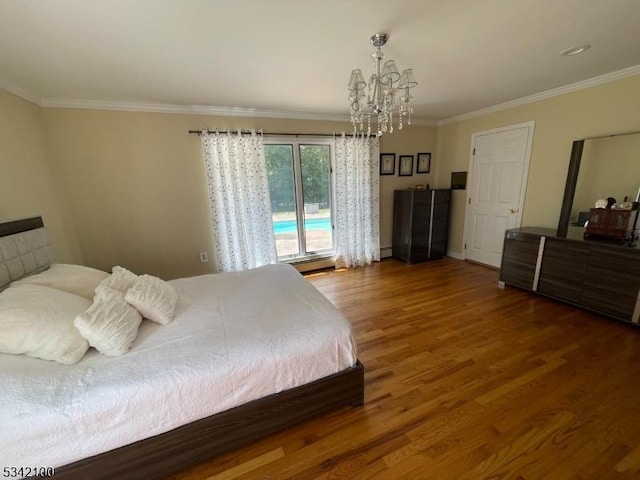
[[420, 224]]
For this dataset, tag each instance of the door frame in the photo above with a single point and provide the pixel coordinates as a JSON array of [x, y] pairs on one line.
[[525, 175]]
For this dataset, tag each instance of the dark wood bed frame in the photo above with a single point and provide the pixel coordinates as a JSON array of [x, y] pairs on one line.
[[193, 443], [188, 445]]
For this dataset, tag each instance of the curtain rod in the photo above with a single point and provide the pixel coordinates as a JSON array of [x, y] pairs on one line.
[[244, 132]]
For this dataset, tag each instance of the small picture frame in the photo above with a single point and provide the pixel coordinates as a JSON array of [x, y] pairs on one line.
[[458, 180], [423, 164], [406, 166], [387, 164]]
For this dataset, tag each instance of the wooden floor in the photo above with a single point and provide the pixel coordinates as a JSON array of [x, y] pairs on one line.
[[464, 381]]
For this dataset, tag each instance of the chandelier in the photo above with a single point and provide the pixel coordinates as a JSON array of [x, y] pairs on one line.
[[388, 93]]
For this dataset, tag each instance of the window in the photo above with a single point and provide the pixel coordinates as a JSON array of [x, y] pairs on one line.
[[299, 174]]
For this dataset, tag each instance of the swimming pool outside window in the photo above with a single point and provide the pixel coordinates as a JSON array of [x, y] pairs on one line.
[[300, 187]]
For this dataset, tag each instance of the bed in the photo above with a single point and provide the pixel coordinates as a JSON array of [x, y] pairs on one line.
[[187, 391]]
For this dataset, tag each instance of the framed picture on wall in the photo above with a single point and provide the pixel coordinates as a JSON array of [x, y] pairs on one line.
[[406, 166], [424, 163], [458, 180], [387, 163]]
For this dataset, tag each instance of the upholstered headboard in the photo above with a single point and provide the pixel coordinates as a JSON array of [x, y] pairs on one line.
[[25, 249]]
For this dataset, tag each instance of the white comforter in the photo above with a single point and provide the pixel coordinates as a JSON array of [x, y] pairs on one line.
[[236, 337]]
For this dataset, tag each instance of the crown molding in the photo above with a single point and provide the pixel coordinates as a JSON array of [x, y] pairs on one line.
[[180, 109], [185, 109], [423, 122], [19, 91], [199, 110], [256, 113], [536, 97]]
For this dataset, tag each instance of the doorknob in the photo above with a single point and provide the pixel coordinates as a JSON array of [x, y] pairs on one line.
[[511, 210]]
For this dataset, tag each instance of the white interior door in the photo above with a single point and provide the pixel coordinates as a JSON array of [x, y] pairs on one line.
[[499, 166]]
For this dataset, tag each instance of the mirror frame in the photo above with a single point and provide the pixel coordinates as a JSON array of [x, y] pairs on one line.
[[572, 181], [570, 188]]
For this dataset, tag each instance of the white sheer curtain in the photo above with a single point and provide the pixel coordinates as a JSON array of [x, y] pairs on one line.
[[239, 199], [357, 216]]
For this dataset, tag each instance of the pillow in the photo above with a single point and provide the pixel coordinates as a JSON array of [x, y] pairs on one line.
[[38, 321], [121, 279], [75, 279], [110, 324], [155, 299]]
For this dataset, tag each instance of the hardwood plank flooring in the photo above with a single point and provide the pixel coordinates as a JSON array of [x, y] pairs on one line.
[[464, 381]]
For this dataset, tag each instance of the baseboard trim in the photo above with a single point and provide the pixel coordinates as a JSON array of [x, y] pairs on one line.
[[456, 255], [315, 264]]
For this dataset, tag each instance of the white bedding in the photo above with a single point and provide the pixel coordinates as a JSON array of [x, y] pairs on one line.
[[236, 337]]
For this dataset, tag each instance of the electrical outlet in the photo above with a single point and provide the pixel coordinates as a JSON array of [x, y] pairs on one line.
[[204, 257]]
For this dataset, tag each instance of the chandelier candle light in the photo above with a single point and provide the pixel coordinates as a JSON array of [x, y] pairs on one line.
[[381, 101]]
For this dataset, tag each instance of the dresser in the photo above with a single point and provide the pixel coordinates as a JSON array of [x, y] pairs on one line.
[[600, 276], [420, 224]]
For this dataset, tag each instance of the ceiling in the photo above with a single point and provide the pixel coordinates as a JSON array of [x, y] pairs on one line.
[[293, 57]]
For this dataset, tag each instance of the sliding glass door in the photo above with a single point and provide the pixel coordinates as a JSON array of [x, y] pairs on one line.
[[300, 186]]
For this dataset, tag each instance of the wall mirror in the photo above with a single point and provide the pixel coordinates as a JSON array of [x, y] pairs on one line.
[[599, 168]]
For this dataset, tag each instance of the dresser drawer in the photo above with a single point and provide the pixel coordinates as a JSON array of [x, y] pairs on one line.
[[519, 257], [610, 303]]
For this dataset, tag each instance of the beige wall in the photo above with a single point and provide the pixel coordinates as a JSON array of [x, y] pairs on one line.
[[137, 186], [408, 141], [128, 188], [28, 183], [600, 110]]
